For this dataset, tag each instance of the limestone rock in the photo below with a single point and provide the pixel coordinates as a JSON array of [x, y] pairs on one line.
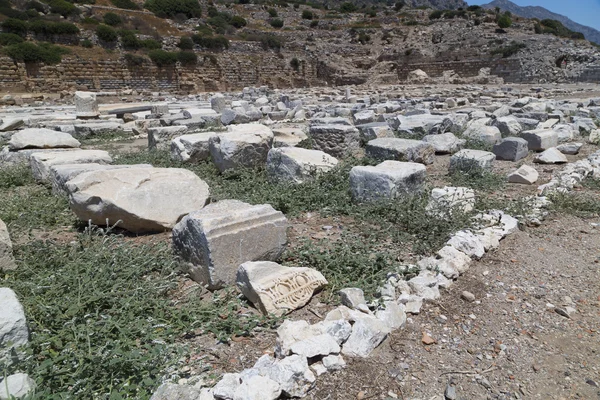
[[471, 160], [388, 180], [297, 165], [333, 362], [11, 124], [551, 156], [318, 345], [13, 326], [594, 137], [447, 200], [468, 243], [218, 102], [257, 387], [485, 134], [275, 289], [511, 149], [569, 148], [392, 314], [95, 129], [242, 146], [42, 162], [16, 386], [367, 333], [540, 140], [526, 175], [508, 126], [352, 297], [425, 285], [171, 391], [7, 260], [41, 138], [288, 137], [291, 373], [160, 137], [401, 150], [374, 130], [214, 241], [445, 143], [86, 103], [417, 76], [62, 173], [143, 199], [192, 148], [335, 139]]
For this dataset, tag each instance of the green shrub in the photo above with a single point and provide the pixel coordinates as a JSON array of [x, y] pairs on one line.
[[187, 58], [348, 7], [276, 23], [106, 34], [135, 60], [125, 4], [162, 58], [31, 53], [7, 39], [507, 51], [437, 14], [204, 30], [63, 8], [556, 28], [314, 24], [150, 44], [211, 42], [238, 22], [185, 43], [295, 64], [90, 21], [220, 24], [129, 40], [272, 12], [504, 21], [271, 42], [363, 37], [170, 8], [35, 5], [306, 14], [14, 26], [86, 43], [112, 19], [41, 27]]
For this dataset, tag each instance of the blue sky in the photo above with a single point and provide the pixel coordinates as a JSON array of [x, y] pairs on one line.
[[585, 12]]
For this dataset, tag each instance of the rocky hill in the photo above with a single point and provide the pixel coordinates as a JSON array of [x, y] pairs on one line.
[[437, 4], [591, 34]]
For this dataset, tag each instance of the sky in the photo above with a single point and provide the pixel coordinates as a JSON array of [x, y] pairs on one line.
[[585, 12]]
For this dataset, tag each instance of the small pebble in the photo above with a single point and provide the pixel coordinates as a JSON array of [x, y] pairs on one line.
[[468, 296]]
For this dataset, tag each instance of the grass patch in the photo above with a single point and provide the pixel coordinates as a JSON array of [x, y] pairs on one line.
[[585, 205], [102, 321], [478, 179], [591, 183]]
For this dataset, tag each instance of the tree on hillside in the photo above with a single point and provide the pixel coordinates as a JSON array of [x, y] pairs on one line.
[[504, 21]]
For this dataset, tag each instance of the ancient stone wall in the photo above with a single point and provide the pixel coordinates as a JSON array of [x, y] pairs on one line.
[[509, 69], [214, 72]]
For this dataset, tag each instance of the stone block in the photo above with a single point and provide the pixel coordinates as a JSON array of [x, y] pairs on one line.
[[550, 156], [401, 150], [242, 146], [511, 149], [41, 138], [540, 140], [445, 143], [335, 139], [276, 289], [388, 180], [43, 161], [86, 103], [471, 160], [215, 241], [526, 175], [192, 148], [297, 165], [159, 138]]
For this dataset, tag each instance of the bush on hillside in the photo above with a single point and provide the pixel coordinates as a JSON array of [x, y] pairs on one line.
[[272, 12], [150, 44], [162, 58], [106, 33], [185, 43], [41, 27], [187, 58], [134, 60], [7, 39], [129, 40], [295, 64], [125, 4], [348, 7], [276, 23], [14, 26], [63, 8], [556, 28], [170, 8], [238, 22], [510, 50], [31, 53], [306, 14], [112, 19], [504, 21], [211, 42]]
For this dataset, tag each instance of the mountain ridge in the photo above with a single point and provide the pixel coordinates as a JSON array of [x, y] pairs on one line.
[[538, 12]]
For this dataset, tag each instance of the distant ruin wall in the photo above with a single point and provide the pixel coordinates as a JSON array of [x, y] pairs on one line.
[[220, 72], [508, 69]]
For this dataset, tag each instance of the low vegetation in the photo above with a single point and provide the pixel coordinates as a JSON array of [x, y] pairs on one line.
[[509, 50], [556, 28]]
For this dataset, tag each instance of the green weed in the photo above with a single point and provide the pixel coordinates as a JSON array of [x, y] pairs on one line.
[[583, 205]]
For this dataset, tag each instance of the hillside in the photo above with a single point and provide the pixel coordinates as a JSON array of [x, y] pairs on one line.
[[591, 34]]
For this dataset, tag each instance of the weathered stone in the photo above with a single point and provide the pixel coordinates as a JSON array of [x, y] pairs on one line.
[[86, 103], [242, 146], [401, 150], [471, 160], [7, 260], [388, 180], [95, 129], [143, 199], [13, 326], [352, 297], [288, 137], [61, 174], [417, 76], [159, 109], [42, 138], [275, 289], [448, 200], [218, 102], [468, 243], [11, 124], [550, 156], [192, 148], [160, 137], [43, 161], [485, 134], [418, 125], [339, 329], [511, 149], [526, 175], [540, 140], [374, 130], [336, 140], [16, 386], [569, 148], [364, 117], [392, 315], [425, 285], [197, 122], [508, 126], [318, 345], [594, 137], [171, 391], [445, 143], [297, 165], [257, 387], [214, 241], [334, 362], [367, 333], [412, 303], [565, 132], [291, 373]]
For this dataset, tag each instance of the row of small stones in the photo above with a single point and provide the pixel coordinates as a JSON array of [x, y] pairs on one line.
[[434, 273]]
